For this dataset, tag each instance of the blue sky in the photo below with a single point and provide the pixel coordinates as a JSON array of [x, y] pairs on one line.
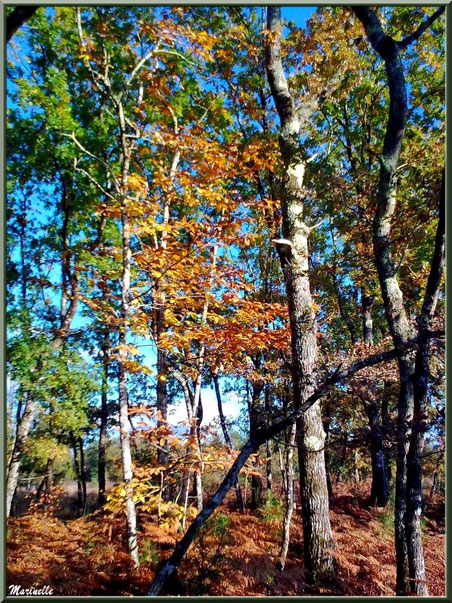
[[297, 14]]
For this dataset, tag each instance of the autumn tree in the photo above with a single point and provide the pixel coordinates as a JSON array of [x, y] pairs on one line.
[[408, 496]]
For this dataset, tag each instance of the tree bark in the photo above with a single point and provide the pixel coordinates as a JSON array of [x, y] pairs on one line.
[[289, 472], [367, 303], [380, 491], [23, 427], [123, 396], [82, 472], [294, 257], [77, 472], [418, 582], [101, 469], [268, 444]]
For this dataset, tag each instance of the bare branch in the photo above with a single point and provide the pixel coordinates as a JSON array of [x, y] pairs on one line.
[[99, 159]]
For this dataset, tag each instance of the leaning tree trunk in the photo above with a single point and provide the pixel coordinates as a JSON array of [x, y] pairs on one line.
[[23, 427], [294, 256]]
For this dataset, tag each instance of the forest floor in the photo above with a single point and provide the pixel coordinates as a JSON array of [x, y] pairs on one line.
[[237, 557]]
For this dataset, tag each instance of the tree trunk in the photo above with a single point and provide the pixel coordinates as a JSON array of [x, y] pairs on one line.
[[18, 17], [401, 331], [23, 427], [131, 519], [326, 428], [268, 444], [254, 421], [162, 354], [289, 472], [162, 372], [82, 472], [294, 257], [227, 439], [418, 582], [380, 491], [367, 303], [101, 470], [77, 472]]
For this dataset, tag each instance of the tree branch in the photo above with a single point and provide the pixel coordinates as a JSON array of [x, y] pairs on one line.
[[437, 263], [422, 27]]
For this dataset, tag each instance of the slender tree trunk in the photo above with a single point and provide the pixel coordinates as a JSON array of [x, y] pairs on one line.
[[123, 397], [367, 303], [289, 472], [82, 472], [418, 581], [162, 372], [343, 458], [294, 257], [254, 413], [380, 491], [268, 444], [326, 428], [77, 472], [101, 469], [131, 517], [227, 439]]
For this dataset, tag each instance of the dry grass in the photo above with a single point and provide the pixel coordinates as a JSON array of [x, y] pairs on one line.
[[88, 556]]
